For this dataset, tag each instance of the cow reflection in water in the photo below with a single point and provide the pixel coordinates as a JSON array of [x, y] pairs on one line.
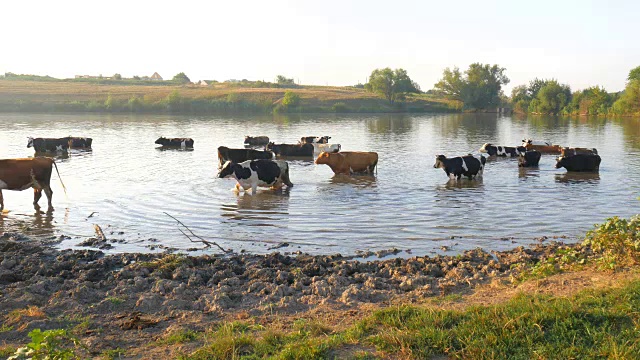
[[577, 177], [454, 184], [265, 208], [359, 181], [39, 224]]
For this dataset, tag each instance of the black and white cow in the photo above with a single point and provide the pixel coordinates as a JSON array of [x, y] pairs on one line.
[[253, 173], [315, 139], [175, 142], [49, 145], [241, 155], [301, 150], [580, 162], [256, 140], [529, 159], [510, 151], [457, 167]]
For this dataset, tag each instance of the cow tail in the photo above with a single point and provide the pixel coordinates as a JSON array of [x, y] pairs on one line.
[[59, 177]]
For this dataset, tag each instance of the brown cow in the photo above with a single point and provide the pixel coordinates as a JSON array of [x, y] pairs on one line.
[[348, 162], [21, 174], [569, 151], [542, 146]]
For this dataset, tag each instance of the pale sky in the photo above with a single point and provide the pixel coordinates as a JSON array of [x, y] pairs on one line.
[[334, 42]]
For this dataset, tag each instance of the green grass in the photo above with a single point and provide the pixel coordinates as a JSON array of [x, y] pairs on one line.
[[180, 337], [590, 325]]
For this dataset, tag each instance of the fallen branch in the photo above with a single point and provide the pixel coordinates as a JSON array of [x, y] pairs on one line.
[[205, 242]]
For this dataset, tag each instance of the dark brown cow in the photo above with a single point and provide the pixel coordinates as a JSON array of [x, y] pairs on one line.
[[21, 174], [569, 151]]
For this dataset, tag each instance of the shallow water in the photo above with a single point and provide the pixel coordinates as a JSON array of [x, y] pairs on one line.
[[128, 184]]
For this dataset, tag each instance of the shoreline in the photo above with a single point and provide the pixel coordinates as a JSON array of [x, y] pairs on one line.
[[105, 299]]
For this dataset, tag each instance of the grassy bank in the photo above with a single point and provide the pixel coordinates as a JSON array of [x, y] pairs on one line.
[[591, 324], [76, 96]]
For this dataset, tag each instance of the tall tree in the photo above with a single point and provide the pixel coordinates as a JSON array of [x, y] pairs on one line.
[[392, 84], [480, 88], [552, 98]]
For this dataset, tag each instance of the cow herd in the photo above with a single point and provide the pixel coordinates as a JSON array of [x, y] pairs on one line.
[[528, 154], [254, 167]]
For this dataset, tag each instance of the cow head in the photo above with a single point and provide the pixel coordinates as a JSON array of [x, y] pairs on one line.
[[485, 148], [272, 147], [526, 142], [227, 169], [323, 139], [439, 161], [560, 162], [247, 139], [29, 142], [324, 157], [161, 140]]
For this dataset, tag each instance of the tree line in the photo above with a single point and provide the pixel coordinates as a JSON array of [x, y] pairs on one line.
[[480, 88]]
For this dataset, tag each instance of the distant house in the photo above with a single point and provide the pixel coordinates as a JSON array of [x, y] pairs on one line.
[[202, 83], [156, 77]]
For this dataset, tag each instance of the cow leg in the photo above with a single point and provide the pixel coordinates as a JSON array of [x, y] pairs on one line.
[[37, 194], [254, 188], [1, 201], [49, 193]]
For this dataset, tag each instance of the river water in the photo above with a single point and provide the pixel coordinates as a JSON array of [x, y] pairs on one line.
[[126, 184]]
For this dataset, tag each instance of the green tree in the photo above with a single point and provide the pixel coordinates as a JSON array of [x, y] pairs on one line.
[[181, 78], [629, 101], [291, 100], [634, 74], [117, 76], [479, 88], [392, 84], [552, 98], [283, 80]]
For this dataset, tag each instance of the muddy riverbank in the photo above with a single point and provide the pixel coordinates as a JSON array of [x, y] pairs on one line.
[[128, 301]]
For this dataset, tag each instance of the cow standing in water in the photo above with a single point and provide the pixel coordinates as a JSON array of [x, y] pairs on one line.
[[184, 143], [314, 140], [241, 155], [580, 162], [494, 150], [49, 145], [301, 150], [256, 140], [253, 173], [349, 162], [457, 167], [21, 174], [529, 158]]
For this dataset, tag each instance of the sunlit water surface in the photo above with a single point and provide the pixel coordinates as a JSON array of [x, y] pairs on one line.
[[126, 184]]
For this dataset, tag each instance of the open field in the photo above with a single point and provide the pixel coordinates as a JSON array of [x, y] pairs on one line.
[[19, 95]]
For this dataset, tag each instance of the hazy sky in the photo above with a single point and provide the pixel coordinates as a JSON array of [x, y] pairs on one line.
[[335, 42]]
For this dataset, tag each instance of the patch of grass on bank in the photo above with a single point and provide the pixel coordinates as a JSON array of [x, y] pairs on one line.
[[592, 324]]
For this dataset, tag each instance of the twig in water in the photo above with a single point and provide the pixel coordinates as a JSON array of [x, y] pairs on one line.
[[207, 243], [99, 232], [91, 215]]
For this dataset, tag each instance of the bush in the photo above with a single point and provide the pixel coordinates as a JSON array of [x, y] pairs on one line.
[[340, 107], [618, 240], [49, 344]]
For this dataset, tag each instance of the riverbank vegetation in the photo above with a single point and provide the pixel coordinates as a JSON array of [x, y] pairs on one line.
[[479, 88], [551, 97]]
